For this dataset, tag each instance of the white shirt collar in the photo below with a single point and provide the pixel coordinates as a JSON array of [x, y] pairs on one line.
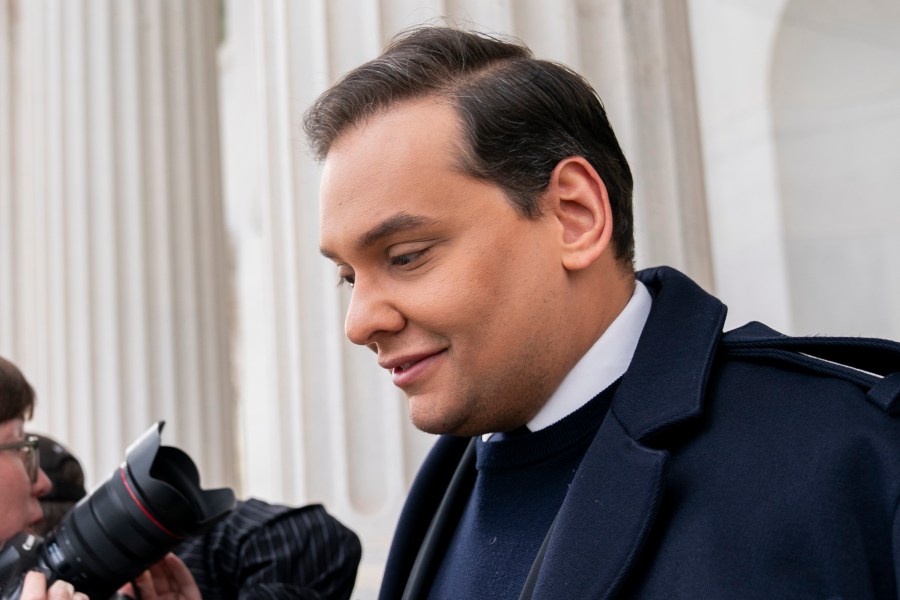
[[604, 362]]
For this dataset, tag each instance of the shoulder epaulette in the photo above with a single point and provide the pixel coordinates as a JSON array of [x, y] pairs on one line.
[[871, 363]]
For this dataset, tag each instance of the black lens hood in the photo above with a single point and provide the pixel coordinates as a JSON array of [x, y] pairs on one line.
[[164, 481]]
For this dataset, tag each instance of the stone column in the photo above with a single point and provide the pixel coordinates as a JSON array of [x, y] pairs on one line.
[[732, 44], [114, 277], [7, 182], [667, 162], [319, 422]]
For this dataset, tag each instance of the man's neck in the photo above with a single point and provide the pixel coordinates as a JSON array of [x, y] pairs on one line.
[[606, 360]]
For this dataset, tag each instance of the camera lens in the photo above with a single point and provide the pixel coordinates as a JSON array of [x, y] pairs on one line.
[[147, 507]]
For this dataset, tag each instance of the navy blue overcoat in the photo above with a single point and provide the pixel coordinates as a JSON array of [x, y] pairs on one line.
[[740, 465]]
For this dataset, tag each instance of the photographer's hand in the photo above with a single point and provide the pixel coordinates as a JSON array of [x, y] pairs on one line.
[[35, 588], [169, 579]]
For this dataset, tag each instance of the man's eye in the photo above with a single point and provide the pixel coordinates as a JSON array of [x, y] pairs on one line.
[[348, 280], [401, 260]]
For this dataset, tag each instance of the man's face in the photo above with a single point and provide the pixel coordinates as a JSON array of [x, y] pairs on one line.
[[457, 294], [19, 507]]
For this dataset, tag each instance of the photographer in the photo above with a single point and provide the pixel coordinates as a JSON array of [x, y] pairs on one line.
[[22, 482]]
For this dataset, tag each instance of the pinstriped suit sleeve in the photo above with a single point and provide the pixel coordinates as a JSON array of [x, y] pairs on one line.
[[262, 551]]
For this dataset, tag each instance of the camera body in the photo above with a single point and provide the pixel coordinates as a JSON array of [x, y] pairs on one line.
[[22, 553], [151, 503]]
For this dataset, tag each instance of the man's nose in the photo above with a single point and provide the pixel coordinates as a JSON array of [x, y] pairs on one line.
[[371, 313], [42, 485]]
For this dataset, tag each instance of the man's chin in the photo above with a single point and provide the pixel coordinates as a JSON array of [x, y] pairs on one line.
[[426, 415], [430, 426], [443, 426]]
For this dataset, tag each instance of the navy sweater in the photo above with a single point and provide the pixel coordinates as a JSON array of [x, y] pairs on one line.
[[520, 485]]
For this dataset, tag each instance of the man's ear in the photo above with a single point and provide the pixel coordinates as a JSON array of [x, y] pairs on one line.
[[580, 203]]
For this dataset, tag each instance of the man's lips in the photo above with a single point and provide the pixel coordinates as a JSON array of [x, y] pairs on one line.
[[404, 361], [408, 369]]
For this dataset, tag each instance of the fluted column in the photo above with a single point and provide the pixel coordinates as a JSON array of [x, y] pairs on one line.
[[667, 162], [7, 169], [320, 423], [732, 44], [114, 258]]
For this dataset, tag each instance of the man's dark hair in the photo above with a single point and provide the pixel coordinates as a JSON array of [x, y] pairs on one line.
[[520, 116], [16, 394]]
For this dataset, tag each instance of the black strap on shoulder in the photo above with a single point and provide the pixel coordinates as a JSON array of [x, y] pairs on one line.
[[873, 355], [874, 364]]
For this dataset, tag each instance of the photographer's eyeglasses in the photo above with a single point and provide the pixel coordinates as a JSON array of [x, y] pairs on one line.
[[28, 450]]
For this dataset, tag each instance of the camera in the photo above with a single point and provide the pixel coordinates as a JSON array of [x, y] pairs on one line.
[[150, 504]]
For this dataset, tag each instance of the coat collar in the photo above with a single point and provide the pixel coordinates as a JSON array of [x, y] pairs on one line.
[[614, 498], [665, 381]]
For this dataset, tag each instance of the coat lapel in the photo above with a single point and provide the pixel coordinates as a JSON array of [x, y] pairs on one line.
[[616, 493], [604, 519]]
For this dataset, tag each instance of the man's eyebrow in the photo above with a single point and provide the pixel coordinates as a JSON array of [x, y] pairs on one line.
[[394, 224]]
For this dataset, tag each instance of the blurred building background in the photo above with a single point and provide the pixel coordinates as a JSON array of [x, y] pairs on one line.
[[158, 213]]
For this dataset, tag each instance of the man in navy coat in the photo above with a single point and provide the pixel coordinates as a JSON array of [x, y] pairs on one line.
[[601, 436]]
